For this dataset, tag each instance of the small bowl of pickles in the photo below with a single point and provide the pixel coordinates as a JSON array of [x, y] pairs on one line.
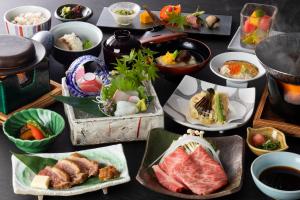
[[33, 130], [265, 140], [124, 12]]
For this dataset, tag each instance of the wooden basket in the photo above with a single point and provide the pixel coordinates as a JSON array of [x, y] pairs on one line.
[[88, 130]]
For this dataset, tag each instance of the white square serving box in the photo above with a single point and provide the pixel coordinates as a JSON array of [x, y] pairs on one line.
[[88, 130]]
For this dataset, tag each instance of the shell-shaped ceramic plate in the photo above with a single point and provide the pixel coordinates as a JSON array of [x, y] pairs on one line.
[[241, 104], [232, 149], [110, 155]]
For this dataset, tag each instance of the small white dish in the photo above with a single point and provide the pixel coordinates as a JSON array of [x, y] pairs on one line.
[[241, 104], [124, 20], [217, 62], [235, 45]]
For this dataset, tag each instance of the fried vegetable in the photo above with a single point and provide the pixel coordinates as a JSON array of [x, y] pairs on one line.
[[219, 109], [108, 173]]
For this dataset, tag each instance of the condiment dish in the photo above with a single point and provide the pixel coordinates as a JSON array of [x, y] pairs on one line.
[[268, 132], [275, 159], [121, 19], [86, 13]]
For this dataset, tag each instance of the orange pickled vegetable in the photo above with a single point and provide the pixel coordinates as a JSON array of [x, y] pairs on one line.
[[145, 18], [36, 132], [26, 135]]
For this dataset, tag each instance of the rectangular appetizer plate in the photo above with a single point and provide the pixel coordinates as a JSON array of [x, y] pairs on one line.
[[231, 148], [240, 100], [113, 155], [107, 21], [235, 44]]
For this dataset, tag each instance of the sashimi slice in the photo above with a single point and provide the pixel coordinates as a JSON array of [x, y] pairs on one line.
[[79, 72], [166, 180], [89, 83]]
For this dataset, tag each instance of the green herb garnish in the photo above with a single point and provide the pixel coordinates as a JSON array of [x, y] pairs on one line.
[[132, 71], [124, 12], [270, 145], [87, 44]]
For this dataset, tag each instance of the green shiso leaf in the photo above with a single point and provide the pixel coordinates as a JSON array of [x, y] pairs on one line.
[[35, 163], [132, 71], [84, 104]]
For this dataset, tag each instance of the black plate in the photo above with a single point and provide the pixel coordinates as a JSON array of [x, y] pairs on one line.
[[107, 21]]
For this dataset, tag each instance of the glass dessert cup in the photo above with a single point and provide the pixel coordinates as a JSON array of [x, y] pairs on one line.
[[256, 23]]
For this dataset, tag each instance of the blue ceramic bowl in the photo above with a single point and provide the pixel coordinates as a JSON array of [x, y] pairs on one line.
[[271, 160]]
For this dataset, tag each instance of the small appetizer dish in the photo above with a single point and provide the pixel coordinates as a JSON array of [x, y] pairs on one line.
[[277, 175], [181, 56], [25, 21], [124, 12], [237, 68], [71, 42], [206, 106], [265, 140], [33, 130], [73, 12], [67, 174], [179, 166]]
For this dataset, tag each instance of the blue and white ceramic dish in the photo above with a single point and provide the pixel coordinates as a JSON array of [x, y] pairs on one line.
[[101, 72]]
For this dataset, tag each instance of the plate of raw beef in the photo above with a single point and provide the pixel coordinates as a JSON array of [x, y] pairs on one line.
[[191, 181]]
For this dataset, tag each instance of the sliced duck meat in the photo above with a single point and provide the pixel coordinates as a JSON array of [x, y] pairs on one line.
[[193, 21], [167, 181], [58, 178], [73, 170], [87, 166], [201, 173]]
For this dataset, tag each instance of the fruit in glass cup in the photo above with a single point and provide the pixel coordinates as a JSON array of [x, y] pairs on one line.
[[256, 27]]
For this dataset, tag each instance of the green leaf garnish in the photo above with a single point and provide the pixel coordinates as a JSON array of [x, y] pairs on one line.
[[132, 71], [86, 104], [35, 163]]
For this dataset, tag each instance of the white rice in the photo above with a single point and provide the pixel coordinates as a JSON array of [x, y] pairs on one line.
[[29, 18]]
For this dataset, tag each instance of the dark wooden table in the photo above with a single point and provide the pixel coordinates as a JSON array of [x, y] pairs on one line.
[[288, 20]]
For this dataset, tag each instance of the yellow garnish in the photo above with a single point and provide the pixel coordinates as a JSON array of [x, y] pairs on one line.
[[141, 105], [168, 59], [145, 18]]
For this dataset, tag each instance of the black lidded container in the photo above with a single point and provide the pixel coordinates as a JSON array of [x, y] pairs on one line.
[[118, 45], [280, 55]]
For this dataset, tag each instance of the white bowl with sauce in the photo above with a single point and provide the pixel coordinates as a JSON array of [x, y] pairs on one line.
[[218, 61]]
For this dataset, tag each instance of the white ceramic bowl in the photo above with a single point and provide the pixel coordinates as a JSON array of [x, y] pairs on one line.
[[271, 160], [85, 31], [26, 30], [124, 20], [217, 62]]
